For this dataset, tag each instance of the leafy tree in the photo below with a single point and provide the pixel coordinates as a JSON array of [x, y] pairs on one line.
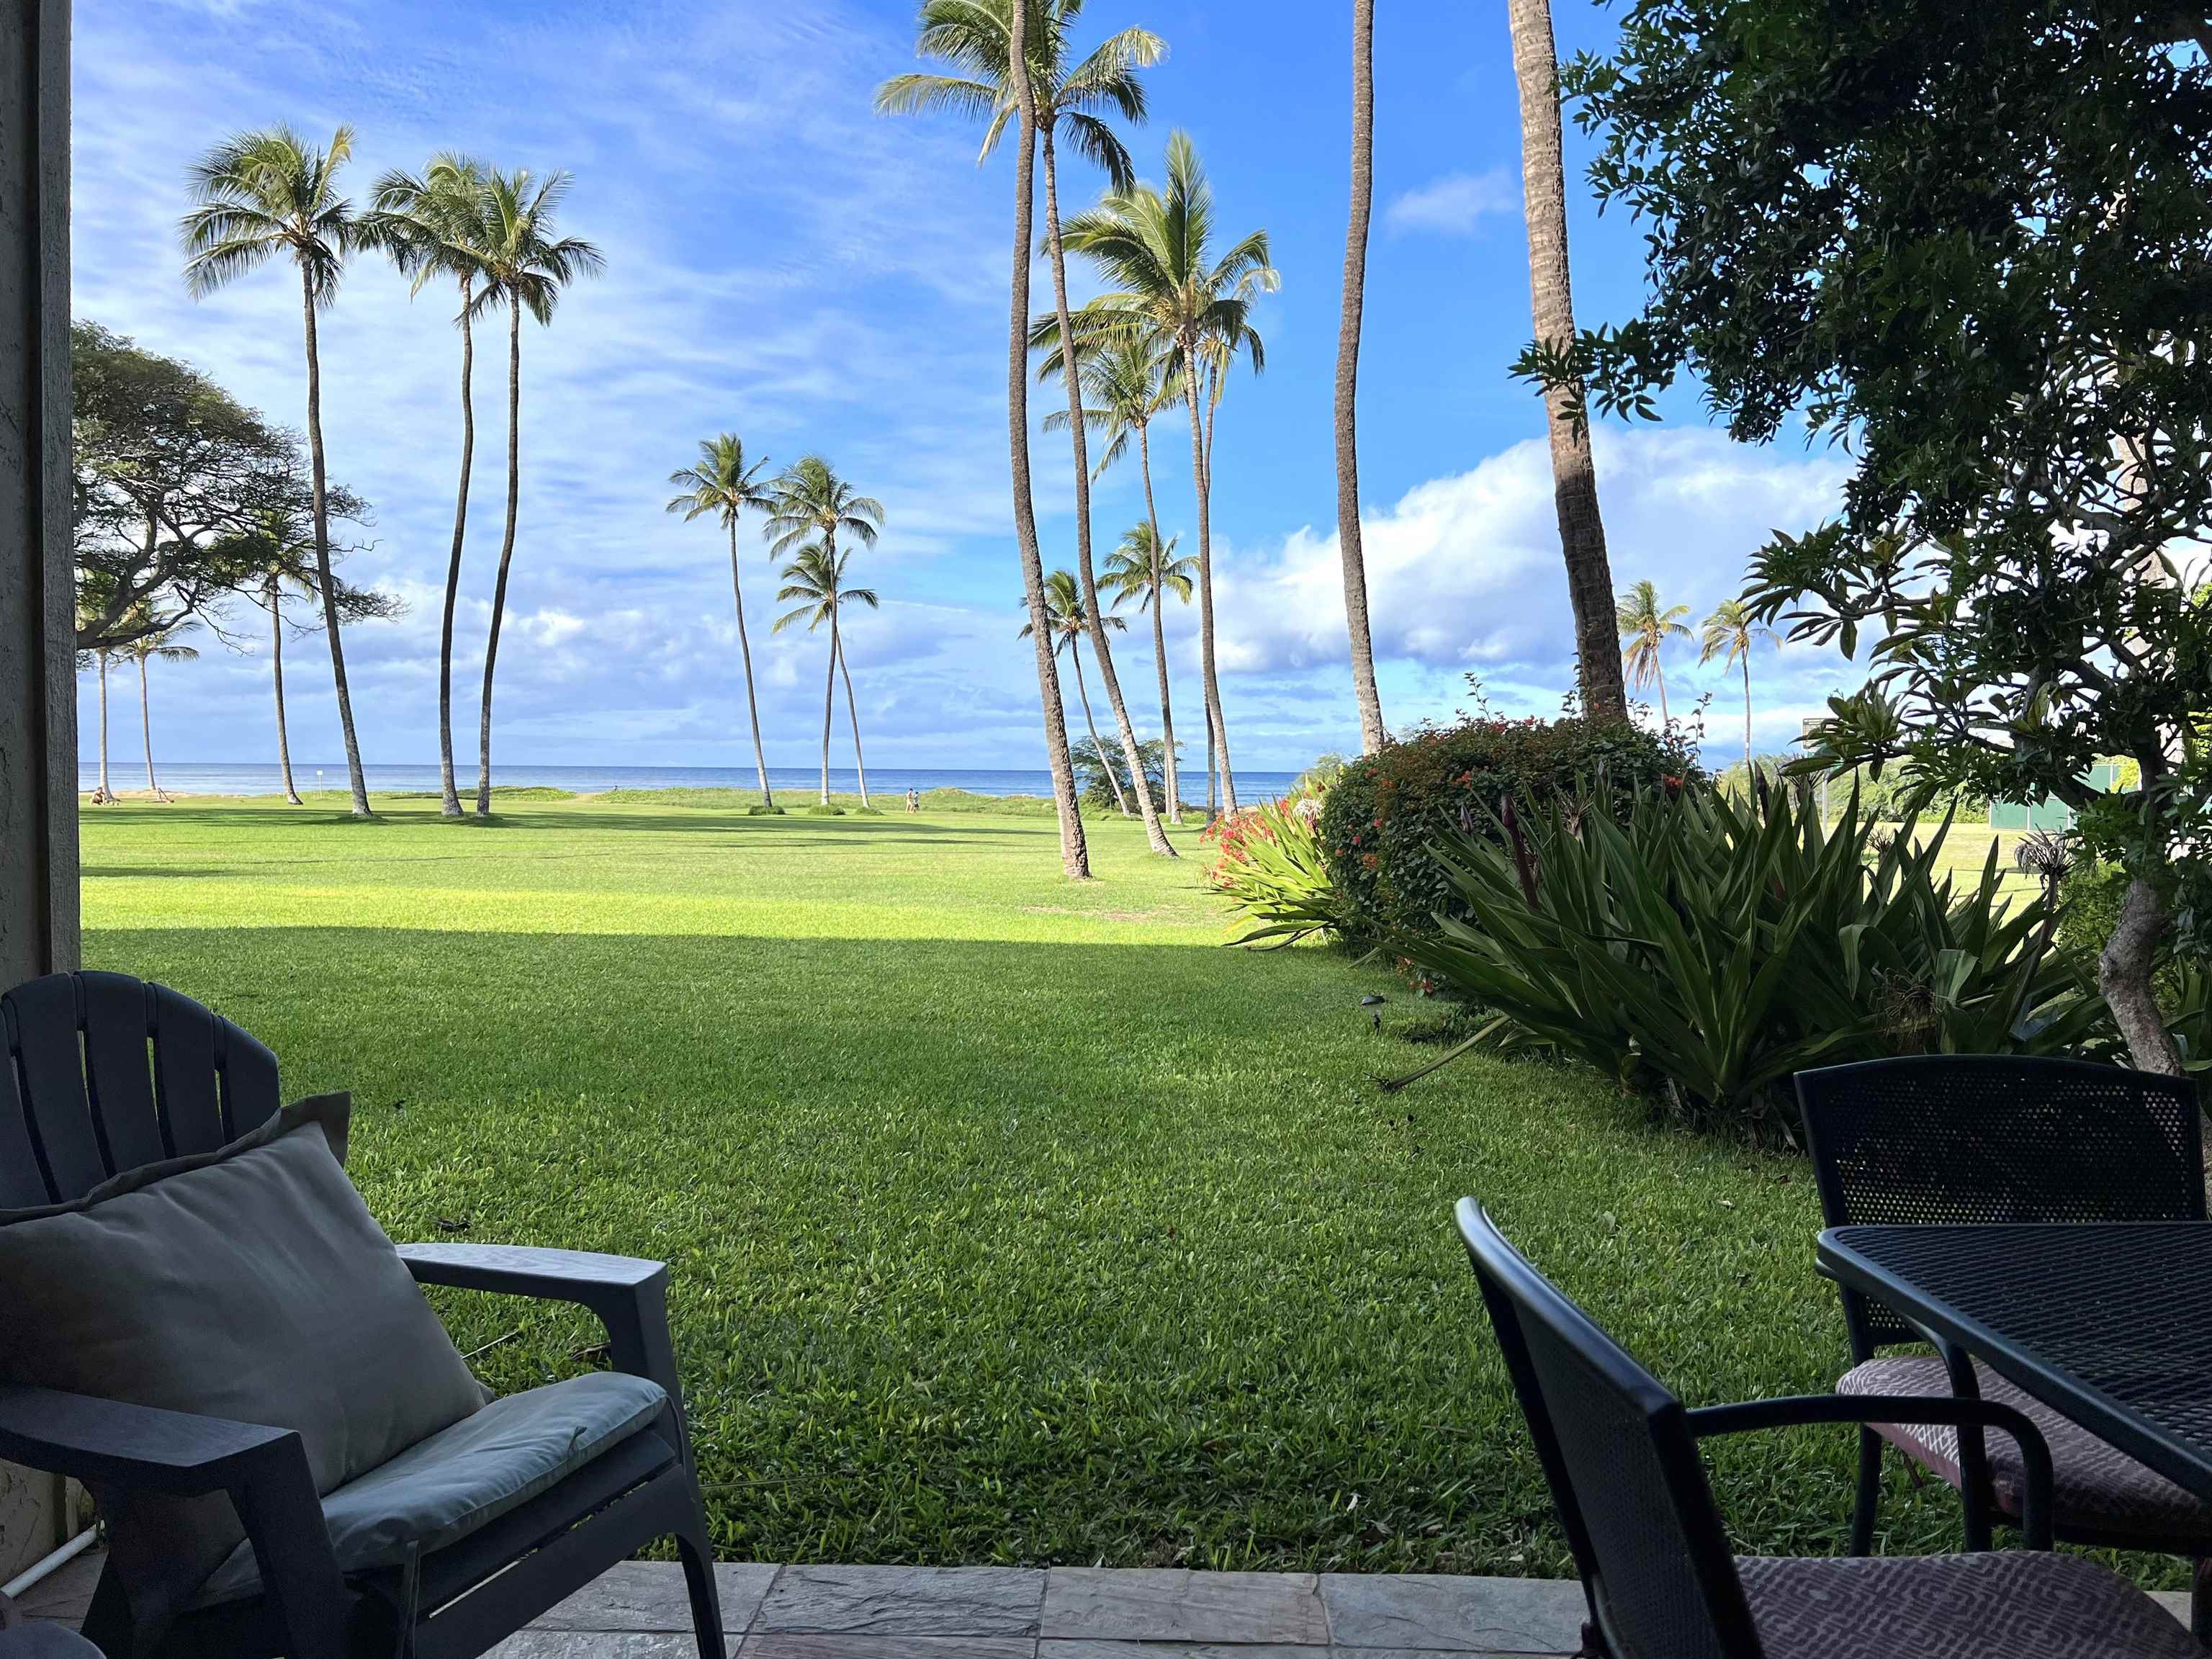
[[1143, 569], [1729, 634], [723, 483], [256, 196], [1973, 245], [1154, 248], [1070, 621], [434, 225], [148, 647], [1350, 550], [811, 508], [1104, 771], [1647, 626], [1574, 471], [957, 31], [525, 266]]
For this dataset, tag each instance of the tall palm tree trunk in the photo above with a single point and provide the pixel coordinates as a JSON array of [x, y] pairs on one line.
[[1574, 474], [106, 792], [506, 548], [1218, 730], [829, 702], [1746, 713], [852, 710], [452, 808], [1212, 769], [1075, 850], [1665, 719], [1148, 809], [1350, 547], [745, 651], [1105, 762], [146, 730], [276, 675], [355, 779], [1159, 634]]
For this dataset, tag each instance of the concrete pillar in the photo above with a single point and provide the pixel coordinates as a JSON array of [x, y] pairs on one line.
[[38, 677]]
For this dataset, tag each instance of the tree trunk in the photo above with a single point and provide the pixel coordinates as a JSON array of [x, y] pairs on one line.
[[1349, 545], [1105, 763], [1075, 851], [1574, 475], [276, 674], [852, 710], [506, 548], [451, 807], [2123, 974], [317, 478], [1159, 634], [1746, 715], [829, 702], [1217, 728], [745, 650], [1212, 773], [146, 729], [1659, 674], [1146, 807], [106, 792]]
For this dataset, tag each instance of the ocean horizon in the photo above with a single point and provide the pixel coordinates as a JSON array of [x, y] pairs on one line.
[[263, 778]]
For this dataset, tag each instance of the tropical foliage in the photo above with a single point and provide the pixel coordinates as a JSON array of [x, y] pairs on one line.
[[810, 508], [1271, 865], [724, 484], [1647, 625], [1068, 620], [1701, 951]]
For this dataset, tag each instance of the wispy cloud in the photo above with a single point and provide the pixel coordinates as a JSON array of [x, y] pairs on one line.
[[1455, 205]]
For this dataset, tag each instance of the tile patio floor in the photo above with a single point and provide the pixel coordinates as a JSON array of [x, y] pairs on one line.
[[639, 1612]]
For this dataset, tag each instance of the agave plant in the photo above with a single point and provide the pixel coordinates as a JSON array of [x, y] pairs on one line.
[[1273, 867], [1705, 949]]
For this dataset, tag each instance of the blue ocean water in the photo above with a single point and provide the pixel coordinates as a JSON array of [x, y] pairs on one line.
[[263, 779]]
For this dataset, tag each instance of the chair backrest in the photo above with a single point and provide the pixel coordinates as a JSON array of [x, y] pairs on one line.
[[1958, 1139], [106, 1073], [1622, 1465]]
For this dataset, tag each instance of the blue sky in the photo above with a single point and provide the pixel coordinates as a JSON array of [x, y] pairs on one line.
[[784, 264]]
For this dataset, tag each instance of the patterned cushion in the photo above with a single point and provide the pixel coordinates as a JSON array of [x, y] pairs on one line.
[[2096, 1487], [2010, 1604]]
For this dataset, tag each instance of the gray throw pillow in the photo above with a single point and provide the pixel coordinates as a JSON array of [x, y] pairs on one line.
[[251, 1284]]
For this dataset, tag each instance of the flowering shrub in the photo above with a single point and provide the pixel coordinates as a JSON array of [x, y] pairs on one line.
[[1268, 860], [1380, 822]]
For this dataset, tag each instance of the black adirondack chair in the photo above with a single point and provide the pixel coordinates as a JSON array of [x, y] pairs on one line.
[[1620, 1455], [1965, 1139], [105, 1073]]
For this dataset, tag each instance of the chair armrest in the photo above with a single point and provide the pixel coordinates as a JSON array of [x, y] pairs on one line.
[[115, 1443], [629, 1294], [1794, 1410], [120, 1450]]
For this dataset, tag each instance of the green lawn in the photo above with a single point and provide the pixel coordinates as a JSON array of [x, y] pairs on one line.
[[1010, 1221]]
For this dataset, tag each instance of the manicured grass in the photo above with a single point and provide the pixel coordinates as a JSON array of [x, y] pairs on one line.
[[1009, 1220]]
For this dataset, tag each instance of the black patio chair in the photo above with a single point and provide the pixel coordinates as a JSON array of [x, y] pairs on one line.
[[1959, 1140], [105, 1073], [1620, 1455]]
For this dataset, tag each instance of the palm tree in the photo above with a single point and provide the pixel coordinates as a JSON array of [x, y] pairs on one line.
[[1069, 622], [143, 649], [724, 484], [433, 225], [257, 195], [525, 267], [105, 794], [1154, 249], [810, 507], [1574, 474], [1066, 99], [816, 578], [1729, 634], [1647, 627], [1350, 547], [1143, 569]]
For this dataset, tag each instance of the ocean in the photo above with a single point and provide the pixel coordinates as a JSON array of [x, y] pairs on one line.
[[263, 779]]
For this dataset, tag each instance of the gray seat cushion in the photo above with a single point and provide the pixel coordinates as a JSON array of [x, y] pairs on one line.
[[2097, 1489], [464, 1477], [2009, 1604]]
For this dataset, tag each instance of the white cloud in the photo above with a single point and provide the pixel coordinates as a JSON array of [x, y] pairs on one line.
[[1455, 205]]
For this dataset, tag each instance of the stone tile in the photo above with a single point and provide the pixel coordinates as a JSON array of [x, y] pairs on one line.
[[595, 1645], [845, 1644], [1142, 1604], [649, 1595], [1484, 1615], [905, 1600]]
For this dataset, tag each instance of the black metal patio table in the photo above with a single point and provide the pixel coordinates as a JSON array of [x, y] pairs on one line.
[[2108, 1322]]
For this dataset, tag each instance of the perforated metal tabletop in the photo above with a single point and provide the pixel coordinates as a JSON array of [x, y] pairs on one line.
[[2109, 1322]]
